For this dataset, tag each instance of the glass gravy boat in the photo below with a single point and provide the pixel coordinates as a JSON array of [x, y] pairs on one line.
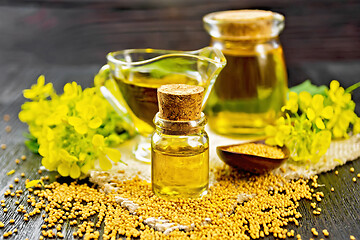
[[132, 77]]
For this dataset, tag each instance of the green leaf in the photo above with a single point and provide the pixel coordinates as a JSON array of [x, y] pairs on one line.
[[309, 87], [28, 136], [32, 145], [168, 65]]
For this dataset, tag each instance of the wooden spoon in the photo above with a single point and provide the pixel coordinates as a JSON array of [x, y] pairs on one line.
[[248, 162]]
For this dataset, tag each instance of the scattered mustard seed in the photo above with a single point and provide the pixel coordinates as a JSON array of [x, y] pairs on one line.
[[352, 237], [352, 169], [57, 200], [325, 232], [358, 175], [22, 174], [354, 179], [1, 225], [332, 189], [23, 157], [3, 146], [314, 232], [5, 210], [39, 171], [17, 161], [6, 117], [11, 221], [336, 172], [16, 180], [11, 186], [8, 128]]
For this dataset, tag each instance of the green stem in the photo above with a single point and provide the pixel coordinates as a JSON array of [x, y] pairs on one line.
[[352, 87]]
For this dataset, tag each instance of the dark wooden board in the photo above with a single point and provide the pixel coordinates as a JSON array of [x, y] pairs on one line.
[[68, 40], [340, 209]]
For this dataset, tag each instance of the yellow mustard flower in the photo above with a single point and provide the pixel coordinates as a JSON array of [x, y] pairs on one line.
[[86, 120], [105, 153], [39, 90], [291, 103], [317, 112]]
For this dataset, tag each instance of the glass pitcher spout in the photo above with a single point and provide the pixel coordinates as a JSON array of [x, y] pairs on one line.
[[153, 68], [135, 74], [139, 72]]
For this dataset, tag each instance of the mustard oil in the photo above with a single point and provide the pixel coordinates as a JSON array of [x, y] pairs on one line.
[[179, 173], [250, 91], [141, 99]]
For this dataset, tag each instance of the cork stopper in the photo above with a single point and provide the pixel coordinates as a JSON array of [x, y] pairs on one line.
[[245, 24], [244, 15], [180, 102]]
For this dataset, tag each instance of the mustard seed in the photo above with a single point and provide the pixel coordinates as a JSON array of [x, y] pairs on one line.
[[3, 146], [354, 179], [336, 172], [6, 117], [23, 157], [17, 161], [352, 169], [8, 128]]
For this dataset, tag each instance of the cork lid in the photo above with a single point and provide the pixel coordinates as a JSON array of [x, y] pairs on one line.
[[243, 15], [180, 102], [245, 24]]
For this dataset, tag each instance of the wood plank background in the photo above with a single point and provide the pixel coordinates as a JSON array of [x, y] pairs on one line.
[[68, 40]]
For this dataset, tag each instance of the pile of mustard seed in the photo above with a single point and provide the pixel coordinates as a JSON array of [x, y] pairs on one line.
[[258, 149], [237, 206]]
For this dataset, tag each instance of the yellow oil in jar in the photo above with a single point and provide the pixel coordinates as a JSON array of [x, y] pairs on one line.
[[249, 92], [180, 174]]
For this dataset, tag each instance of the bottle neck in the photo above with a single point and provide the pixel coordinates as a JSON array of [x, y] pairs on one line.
[[171, 127], [242, 45]]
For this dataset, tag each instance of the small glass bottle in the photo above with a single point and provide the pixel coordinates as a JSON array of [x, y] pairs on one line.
[[250, 91], [180, 145]]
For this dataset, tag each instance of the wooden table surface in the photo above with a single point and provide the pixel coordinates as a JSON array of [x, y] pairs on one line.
[[67, 41]]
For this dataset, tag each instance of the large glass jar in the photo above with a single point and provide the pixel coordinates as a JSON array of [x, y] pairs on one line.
[[250, 91], [180, 158]]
